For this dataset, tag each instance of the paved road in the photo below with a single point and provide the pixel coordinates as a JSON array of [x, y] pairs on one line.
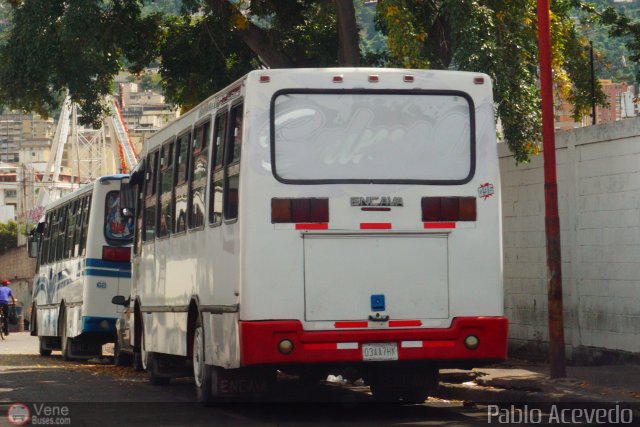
[[91, 394]]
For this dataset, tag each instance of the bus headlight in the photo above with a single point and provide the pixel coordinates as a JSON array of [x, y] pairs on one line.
[[285, 346], [471, 342]]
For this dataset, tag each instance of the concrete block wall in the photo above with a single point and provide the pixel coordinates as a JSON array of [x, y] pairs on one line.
[[599, 202], [16, 266]]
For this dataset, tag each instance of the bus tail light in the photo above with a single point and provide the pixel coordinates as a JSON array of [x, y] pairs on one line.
[[448, 209], [121, 254], [299, 210]]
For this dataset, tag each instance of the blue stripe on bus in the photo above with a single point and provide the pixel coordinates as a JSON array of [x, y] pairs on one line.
[[106, 273], [97, 262], [93, 324]]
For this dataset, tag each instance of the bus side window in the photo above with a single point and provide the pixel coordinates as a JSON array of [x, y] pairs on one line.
[[166, 189], [150, 202], [54, 236], [234, 141], [217, 174], [46, 236], [71, 229], [198, 171], [181, 191], [62, 232], [78, 230], [85, 225]]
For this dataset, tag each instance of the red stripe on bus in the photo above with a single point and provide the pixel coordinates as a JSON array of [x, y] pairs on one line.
[[312, 226], [351, 324], [404, 323], [434, 344], [320, 346], [375, 226], [439, 225]]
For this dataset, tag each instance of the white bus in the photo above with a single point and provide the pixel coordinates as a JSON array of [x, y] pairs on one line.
[[83, 250], [313, 220]]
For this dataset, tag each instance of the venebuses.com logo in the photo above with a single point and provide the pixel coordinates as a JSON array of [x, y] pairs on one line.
[[18, 414]]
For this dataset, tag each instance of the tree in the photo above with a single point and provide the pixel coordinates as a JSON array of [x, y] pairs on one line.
[[79, 45], [8, 236], [498, 38]]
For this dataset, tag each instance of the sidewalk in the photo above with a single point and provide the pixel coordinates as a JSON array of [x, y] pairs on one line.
[[517, 381]]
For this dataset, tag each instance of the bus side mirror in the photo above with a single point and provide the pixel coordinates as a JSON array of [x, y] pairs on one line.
[[120, 300], [127, 199], [33, 247]]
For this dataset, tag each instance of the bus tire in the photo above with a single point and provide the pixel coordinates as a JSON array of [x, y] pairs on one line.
[[155, 378], [137, 362], [65, 342], [120, 358], [202, 373], [44, 351]]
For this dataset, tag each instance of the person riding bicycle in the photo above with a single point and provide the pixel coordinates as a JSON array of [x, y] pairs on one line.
[[5, 294]]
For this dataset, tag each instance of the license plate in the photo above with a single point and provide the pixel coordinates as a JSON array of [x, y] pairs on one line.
[[380, 351]]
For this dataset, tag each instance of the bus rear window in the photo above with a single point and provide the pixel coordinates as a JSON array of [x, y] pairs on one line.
[[372, 136], [118, 230]]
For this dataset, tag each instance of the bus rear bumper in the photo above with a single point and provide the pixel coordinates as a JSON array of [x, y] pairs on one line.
[[103, 325], [260, 340]]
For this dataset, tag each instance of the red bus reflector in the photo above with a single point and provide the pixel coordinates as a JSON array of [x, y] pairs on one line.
[[121, 254], [440, 225], [312, 226], [265, 79], [300, 210], [408, 78], [478, 80], [374, 78], [467, 209], [320, 346], [448, 209], [280, 210], [351, 324], [318, 210], [375, 226], [337, 79], [404, 323]]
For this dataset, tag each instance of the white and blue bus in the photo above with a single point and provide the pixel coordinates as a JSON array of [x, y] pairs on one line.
[[83, 250], [313, 220]]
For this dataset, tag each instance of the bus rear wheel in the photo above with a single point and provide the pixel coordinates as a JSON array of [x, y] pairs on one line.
[[44, 350], [202, 373], [406, 384], [65, 341]]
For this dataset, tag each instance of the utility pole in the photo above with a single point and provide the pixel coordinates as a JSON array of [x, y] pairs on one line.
[[552, 220], [593, 86]]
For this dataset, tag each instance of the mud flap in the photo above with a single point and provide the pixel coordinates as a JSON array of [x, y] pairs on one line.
[[241, 383]]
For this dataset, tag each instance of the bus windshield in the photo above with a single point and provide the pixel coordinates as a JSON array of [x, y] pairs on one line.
[[363, 135], [118, 230]]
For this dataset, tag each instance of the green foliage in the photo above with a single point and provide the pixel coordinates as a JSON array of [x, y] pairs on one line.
[[498, 38], [8, 236]]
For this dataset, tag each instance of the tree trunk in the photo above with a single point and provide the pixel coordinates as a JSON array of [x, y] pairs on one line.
[[348, 37], [253, 36]]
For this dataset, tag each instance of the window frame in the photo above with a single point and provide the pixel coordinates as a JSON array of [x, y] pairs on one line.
[[472, 134]]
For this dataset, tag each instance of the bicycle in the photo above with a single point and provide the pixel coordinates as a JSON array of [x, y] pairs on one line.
[[3, 319]]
